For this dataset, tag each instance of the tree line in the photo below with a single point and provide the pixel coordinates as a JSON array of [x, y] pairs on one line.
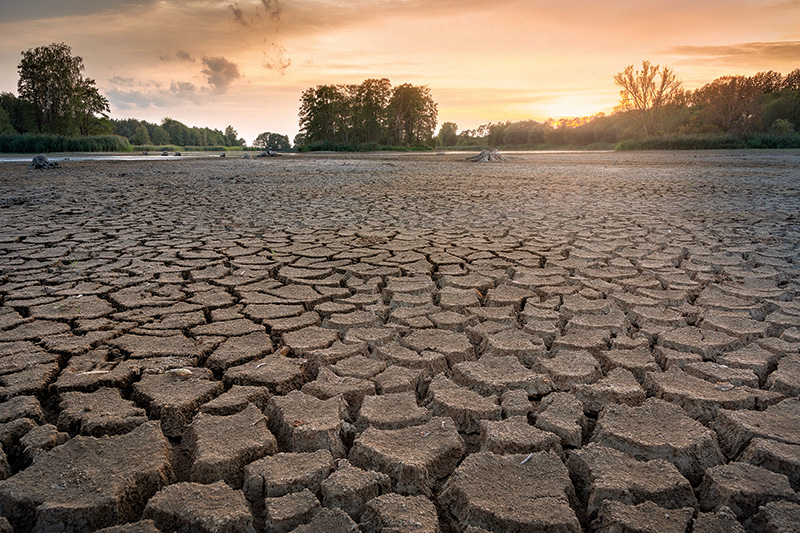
[[368, 115], [655, 110], [56, 105], [173, 132]]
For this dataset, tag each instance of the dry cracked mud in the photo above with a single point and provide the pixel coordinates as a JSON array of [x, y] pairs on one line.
[[395, 342]]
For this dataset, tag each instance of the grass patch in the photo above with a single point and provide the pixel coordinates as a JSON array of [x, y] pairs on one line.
[[715, 142], [29, 143]]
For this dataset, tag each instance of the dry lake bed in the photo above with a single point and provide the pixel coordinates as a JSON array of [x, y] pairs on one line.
[[402, 342]]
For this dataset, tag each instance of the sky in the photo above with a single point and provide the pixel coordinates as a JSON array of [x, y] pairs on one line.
[[245, 63]]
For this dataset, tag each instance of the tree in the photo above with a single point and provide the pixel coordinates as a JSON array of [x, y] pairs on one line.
[[323, 113], [159, 136], [448, 134], [89, 103], [646, 92], [731, 102], [140, 136], [64, 101], [272, 141], [370, 100], [232, 137], [412, 115], [5, 123]]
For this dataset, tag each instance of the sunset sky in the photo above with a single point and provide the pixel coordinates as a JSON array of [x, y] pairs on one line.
[[245, 63]]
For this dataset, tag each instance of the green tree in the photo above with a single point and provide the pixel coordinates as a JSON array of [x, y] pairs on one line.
[[646, 92], [370, 101], [5, 122], [272, 141], [730, 103], [323, 114], [412, 115], [21, 113], [88, 104], [448, 134], [51, 79], [232, 137], [159, 136], [140, 136]]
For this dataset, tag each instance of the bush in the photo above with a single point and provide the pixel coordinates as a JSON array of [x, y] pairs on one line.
[[36, 144], [714, 142]]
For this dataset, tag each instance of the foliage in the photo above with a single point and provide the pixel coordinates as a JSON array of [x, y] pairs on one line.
[[31, 143], [647, 91], [64, 102], [5, 123], [448, 134], [272, 141], [372, 112], [729, 112], [173, 132]]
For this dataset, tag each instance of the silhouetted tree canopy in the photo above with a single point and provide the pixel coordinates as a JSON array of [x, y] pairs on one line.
[[372, 112], [647, 91]]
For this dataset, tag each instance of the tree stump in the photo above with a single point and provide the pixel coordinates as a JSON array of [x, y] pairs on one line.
[[487, 156]]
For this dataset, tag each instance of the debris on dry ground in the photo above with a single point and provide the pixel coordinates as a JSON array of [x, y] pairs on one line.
[[564, 342]]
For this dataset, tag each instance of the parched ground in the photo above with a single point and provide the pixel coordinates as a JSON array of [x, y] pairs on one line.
[[556, 342]]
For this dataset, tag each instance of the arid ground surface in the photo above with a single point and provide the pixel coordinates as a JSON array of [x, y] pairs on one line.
[[556, 342]]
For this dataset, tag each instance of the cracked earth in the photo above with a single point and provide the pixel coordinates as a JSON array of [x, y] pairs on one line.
[[558, 342]]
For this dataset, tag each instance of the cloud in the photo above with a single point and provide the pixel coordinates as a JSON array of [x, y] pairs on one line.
[[238, 15], [758, 52], [47, 9], [273, 9], [127, 93], [180, 55], [276, 59], [220, 72]]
